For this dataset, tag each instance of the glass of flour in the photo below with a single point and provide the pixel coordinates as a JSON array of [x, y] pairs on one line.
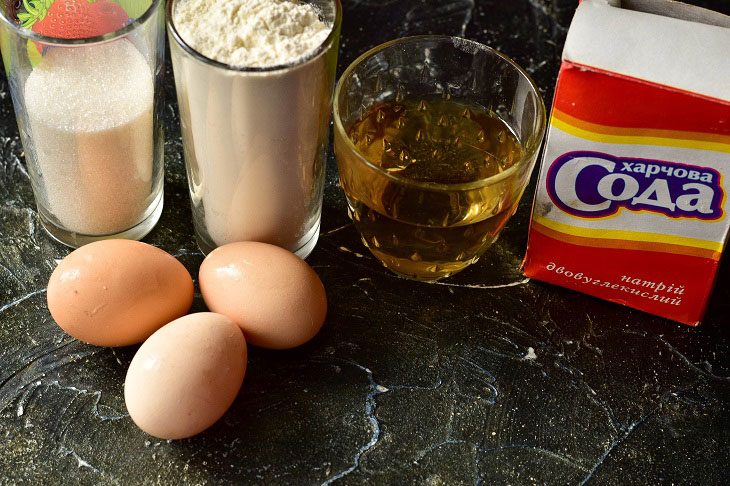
[[83, 77], [254, 83]]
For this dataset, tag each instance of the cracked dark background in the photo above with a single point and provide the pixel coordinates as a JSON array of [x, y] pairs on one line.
[[486, 376]]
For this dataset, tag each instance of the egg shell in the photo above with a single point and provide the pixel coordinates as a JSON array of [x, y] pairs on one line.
[[118, 292], [276, 298], [186, 375]]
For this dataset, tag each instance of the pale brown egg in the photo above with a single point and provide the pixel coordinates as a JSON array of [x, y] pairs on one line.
[[276, 298], [118, 292], [186, 375]]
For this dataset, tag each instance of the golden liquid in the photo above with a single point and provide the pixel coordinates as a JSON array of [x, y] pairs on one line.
[[421, 232]]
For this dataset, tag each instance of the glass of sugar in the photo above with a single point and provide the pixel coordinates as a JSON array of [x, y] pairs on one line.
[[83, 78], [254, 83]]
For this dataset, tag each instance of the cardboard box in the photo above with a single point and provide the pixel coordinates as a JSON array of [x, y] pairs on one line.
[[631, 203]]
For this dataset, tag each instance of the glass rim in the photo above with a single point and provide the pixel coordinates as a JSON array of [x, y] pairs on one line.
[[61, 41], [528, 154], [321, 48]]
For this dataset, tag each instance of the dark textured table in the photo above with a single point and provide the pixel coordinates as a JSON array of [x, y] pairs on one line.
[[486, 376]]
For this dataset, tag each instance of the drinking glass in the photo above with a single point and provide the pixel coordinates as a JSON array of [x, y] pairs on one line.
[[255, 141], [86, 84], [430, 229]]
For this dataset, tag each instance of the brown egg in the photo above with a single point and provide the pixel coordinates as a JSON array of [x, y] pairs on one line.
[[186, 375], [118, 292], [276, 298]]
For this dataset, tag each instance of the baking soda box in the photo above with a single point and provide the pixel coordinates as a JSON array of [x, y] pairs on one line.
[[631, 203]]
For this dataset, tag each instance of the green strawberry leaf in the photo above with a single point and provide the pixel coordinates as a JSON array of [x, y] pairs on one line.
[[31, 8], [36, 11], [26, 19]]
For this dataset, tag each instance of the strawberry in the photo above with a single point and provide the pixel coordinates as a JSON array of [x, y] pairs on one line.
[[67, 19], [72, 19]]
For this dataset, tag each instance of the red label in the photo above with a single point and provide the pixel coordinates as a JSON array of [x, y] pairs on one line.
[[618, 101], [664, 284]]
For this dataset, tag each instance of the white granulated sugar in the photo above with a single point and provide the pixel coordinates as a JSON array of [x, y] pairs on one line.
[[252, 33], [90, 88], [90, 117]]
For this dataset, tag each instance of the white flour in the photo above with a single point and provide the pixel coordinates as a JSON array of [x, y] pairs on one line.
[[90, 115], [250, 32], [254, 141]]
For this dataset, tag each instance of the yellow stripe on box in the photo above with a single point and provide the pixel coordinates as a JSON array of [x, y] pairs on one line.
[[639, 136], [629, 240]]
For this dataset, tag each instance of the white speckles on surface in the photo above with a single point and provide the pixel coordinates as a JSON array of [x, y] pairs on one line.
[[81, 462]]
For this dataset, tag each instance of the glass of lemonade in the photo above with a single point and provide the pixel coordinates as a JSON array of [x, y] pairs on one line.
[[435, 138]]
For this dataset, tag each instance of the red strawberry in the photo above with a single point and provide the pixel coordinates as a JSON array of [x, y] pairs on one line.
[[107, 16], [72, 19], [67, 19]]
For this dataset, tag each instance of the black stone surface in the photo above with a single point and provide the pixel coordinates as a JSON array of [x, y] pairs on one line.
[[483, 377]]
